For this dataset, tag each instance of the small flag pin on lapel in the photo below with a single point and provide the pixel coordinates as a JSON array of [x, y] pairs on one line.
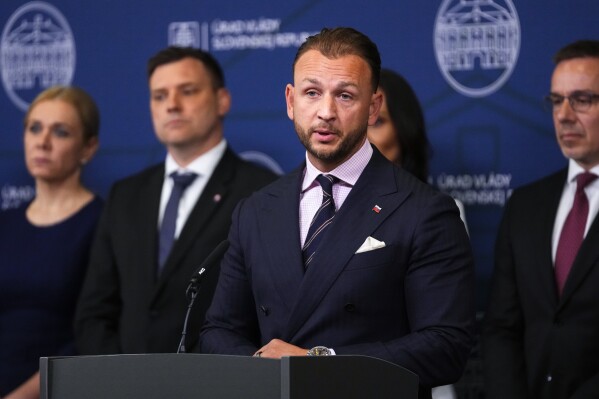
[[217, 198], [377, 209]]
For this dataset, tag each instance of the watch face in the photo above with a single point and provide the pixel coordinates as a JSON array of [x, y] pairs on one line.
[[320, 351]]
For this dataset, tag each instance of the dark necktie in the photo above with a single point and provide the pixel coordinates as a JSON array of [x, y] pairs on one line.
[[169, 220], [573, 231], [322, 219]]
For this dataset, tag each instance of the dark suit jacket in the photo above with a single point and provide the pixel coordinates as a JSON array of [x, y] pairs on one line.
[[537, 345], [124, 307], [410, 302]]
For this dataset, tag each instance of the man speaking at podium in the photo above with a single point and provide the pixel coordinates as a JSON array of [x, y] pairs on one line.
[[348, 255]]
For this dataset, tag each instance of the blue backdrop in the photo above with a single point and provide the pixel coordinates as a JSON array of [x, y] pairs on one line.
[[480, 68]]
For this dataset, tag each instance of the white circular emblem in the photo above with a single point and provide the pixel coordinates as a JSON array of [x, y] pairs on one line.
[[262, 159], [37, 50], [477, 43]]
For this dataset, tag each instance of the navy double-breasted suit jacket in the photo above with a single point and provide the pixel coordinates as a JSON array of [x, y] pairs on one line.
[[410, 302]]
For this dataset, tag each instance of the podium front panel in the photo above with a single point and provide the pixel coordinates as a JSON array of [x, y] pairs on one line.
[[347, 377], [160, 376]]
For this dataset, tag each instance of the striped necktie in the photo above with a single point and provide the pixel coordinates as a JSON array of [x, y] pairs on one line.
[[322, 219]]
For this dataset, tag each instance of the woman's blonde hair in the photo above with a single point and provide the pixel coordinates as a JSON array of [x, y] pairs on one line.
[[84, 105]]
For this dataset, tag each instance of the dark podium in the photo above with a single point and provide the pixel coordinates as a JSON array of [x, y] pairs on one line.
[[184, 376]]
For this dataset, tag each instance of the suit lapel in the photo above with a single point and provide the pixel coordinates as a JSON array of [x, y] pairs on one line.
[[147, 220], [587, 256], [547, 212], [279, 226], [586, 259], [354, 222]]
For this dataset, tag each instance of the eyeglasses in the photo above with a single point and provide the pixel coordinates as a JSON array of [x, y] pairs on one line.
[[580, 101]]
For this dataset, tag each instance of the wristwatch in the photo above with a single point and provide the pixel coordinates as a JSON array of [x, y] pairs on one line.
[[319, 351]]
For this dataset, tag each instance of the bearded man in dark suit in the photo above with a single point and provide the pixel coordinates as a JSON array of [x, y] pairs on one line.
[[392, 273]]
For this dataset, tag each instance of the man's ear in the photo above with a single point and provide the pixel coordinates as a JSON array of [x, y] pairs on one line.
[[289, 93], [224, 101], [375, 107]]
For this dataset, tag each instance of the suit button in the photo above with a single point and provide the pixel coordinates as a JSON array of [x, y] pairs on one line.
[[350, 307], [549, 378], [264, 310]]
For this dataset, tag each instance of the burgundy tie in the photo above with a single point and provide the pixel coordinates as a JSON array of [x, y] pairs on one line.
[[573, 231]]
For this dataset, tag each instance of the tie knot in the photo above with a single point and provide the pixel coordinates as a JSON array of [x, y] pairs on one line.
[[326, 182], [182, 180], [584, 179]]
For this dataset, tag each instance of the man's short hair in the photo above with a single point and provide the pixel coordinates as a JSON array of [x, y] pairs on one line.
[[342, 41], [578, 49], [174, 53]]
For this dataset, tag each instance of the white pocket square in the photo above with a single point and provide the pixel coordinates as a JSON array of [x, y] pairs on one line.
[[370, 244]]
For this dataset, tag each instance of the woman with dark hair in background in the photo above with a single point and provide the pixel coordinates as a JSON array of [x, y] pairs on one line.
[[400, 132], [400, 135], [45, 243]]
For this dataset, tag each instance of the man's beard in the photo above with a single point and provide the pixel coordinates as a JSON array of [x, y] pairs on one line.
[[347, 145]]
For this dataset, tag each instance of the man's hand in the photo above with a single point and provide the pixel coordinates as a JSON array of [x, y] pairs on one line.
[[276, 349]]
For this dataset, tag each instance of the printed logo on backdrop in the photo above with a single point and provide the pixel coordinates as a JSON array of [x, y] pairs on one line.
[[37, 50], [477, 43], [184, 34], [492, 189], [13, 196], [222, 35]]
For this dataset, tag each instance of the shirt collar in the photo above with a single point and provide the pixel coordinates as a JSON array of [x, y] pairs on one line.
[[348, 172], [203, 165], [575, 169]]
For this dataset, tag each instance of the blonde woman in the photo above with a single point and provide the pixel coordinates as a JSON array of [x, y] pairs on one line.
[[45, 243]]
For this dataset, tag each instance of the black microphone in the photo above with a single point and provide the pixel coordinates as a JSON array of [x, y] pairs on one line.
[[214, 257], [194, 284]]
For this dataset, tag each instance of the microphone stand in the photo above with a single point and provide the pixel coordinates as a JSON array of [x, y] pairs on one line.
[[191, 293], [194, 285]]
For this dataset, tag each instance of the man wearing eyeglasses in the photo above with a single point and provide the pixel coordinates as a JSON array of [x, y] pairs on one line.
[[541, 334]]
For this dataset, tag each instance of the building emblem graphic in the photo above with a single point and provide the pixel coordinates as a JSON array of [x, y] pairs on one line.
[[477, 43], [37, 50], [184, 34]]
